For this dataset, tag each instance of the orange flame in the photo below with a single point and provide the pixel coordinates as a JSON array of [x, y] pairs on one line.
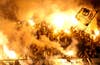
[[62, 20], [5, 52]]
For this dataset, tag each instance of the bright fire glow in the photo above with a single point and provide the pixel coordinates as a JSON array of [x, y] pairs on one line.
[[97, 32], [3, 39], [67, 31], [65, 62], [11, 54], [31, 22], [60, 62], [70, 53], [5, 52], [58, 19], [63, 20]]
